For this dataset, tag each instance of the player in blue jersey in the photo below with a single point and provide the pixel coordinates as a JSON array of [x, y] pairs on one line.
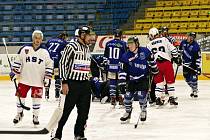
[[55, 47], [191, 56], [138, 64], [113, 52]]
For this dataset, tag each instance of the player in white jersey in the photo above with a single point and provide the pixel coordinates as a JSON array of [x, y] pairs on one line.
[[164, 52], [34, 68]]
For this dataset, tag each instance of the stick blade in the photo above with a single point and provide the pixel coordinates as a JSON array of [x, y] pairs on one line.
[[4, 41]]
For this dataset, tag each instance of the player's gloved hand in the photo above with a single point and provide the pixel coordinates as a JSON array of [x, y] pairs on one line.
[[199, 71], [13, 76], [105, 62], [47, 83], [178, 61]]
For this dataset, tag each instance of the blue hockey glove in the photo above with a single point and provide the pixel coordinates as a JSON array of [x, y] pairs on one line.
[[12, 76]]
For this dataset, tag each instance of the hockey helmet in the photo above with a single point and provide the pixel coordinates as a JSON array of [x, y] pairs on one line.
[[153, 32], [118, 33], [164, 29], [133, 39], [193, 34], [84, 29]]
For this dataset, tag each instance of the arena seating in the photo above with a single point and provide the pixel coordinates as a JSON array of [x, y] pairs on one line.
[[20, 17], [180, 16]]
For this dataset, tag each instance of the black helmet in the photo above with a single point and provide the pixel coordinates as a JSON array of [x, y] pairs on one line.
[[164, 29], [133, 40], [118, 33], [193, 34], [84, 29]]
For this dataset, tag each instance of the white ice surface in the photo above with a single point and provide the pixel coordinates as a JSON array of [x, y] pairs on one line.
[[189, 121]]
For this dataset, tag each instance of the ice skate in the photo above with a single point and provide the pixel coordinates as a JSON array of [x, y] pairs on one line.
[[80, 138], [126, 117], [194, 95], [35, 120], [159, 101], [143, 115], [172, 101], [104, 99], [120, 98], [55, 139], [18, 118], [113, 101]]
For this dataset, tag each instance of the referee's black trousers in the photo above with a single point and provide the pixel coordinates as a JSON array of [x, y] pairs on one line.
[[79, 95]]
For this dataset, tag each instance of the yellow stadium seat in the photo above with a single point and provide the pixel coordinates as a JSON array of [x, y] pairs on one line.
[[204, 2], [202, 25], [168, 3], [186, 3], [156, 25], [174, 25], [147, 26], [195, 2], [167, 15], [185, 13], [165, 24], [192, 25], [194, 13], [176, 14], [208, 25], [158, 14], [138, 26], [183, 25], [149, 15], [203, 13], [160, 3], [177, 3]]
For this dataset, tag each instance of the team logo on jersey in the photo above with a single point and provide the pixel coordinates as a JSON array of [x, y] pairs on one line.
[[141, 56], [26, 51]]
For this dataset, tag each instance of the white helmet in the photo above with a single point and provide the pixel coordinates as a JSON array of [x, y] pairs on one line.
[[153, 32]]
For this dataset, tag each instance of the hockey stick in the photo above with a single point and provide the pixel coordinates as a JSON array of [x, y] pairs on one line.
[[18, 92], [190, 68], [51, 124]]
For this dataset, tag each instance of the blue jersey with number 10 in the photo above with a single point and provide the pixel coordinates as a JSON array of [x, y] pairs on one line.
[[55, 47], [113, 52]]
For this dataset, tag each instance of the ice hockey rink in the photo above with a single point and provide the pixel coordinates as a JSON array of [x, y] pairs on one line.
[[189, 121]]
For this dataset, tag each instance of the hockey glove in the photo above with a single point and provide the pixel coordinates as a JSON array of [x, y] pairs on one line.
[[13, 76], [178, 61], [105, 62], [47, 83]]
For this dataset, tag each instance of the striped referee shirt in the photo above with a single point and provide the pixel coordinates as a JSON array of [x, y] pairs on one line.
[[75, 62]]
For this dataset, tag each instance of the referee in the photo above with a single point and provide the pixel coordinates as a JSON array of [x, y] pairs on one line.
[[74, 69]]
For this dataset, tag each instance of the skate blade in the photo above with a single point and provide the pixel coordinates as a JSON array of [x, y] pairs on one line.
[[125, 122]]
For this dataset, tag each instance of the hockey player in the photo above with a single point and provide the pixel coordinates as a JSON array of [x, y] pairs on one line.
[[191, 56], [137, 64], [113, 52], [171, 39], [34, 67], [164, 52], [55, 47]]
